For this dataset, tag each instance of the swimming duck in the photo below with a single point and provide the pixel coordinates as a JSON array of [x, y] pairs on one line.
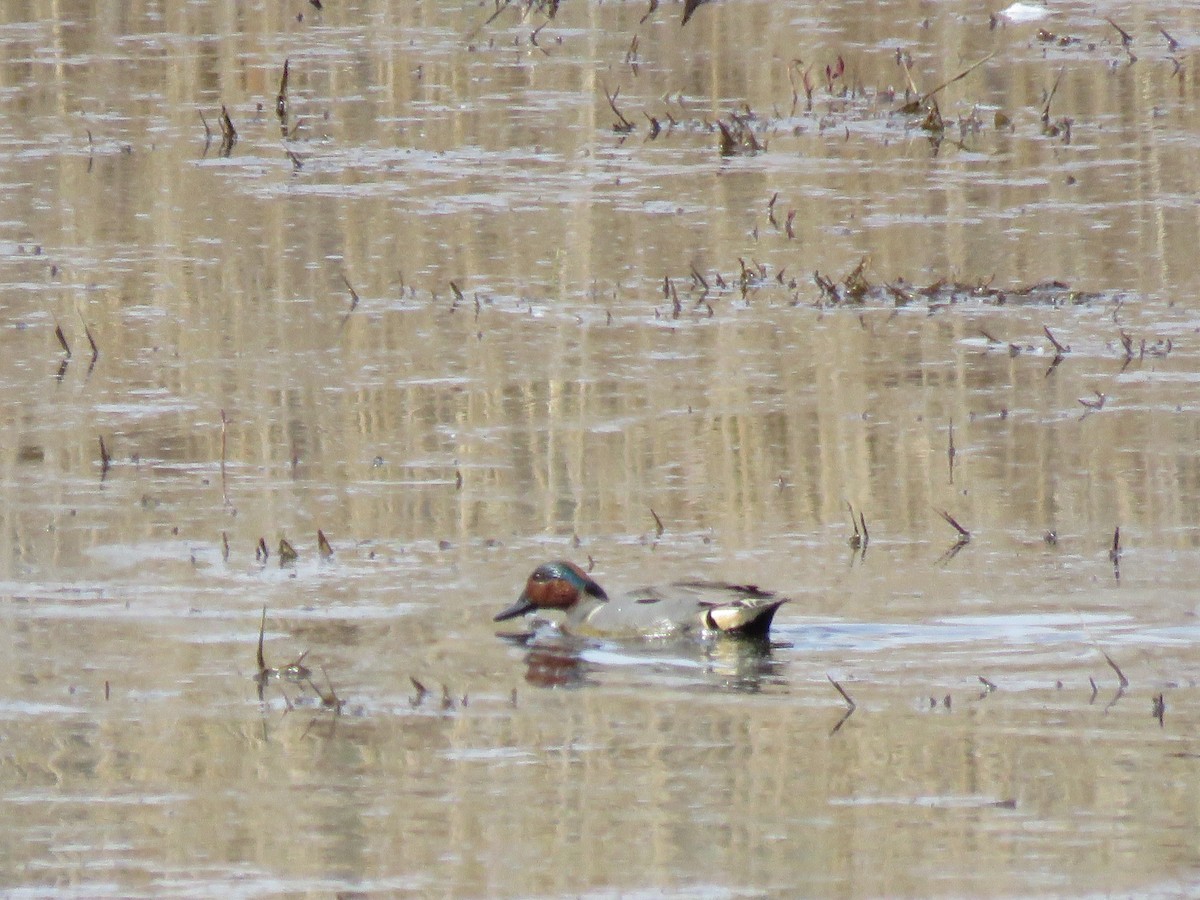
[[682, 608]]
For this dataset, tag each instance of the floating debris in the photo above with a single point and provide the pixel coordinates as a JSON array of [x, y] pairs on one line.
[[856, 288], [622, 125], [737, 137]]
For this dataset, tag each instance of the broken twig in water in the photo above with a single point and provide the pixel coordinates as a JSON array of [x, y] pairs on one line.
[[964, 537], [228, 132], [841, 690], [1063, 125], [87, 332], [1059, 349], [262, 627], [1114, 553], [332, 701], [105, 459], [422, 691], [851, 706], [1124, 682], [224, 440], [961, 75], [950, 451], [963, 534], [1093, 405], [281, 102], [1126, 37], [622, 125], [658, 524], [857, 541], [354, 293], [62, 339]]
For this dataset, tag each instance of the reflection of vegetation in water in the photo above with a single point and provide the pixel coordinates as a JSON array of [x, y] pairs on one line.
[[426, 297]]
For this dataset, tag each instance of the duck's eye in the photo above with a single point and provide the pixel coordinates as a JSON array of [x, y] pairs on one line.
[[541, 576]]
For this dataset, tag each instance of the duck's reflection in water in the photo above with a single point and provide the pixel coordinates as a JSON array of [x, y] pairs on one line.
[[556, 659]]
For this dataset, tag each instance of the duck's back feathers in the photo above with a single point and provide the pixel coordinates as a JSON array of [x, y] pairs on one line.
[[685, 607], [692, 606]]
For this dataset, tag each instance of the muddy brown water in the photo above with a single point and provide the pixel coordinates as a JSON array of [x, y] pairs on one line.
[[583, 383]]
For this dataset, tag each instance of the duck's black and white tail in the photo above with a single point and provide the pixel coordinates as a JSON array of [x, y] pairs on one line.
[[749, 616]]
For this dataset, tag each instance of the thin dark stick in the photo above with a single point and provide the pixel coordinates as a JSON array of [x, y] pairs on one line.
[[1120, 675], [104, 458], [658, 524], [962, 532], [353, 293], [849, 700], [62, 339], [1058, 348], [262, 627]]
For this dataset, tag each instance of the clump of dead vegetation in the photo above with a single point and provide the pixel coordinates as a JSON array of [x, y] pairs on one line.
[[855, 288]]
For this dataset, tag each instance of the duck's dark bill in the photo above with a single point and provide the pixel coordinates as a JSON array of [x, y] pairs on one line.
[[519, 608]]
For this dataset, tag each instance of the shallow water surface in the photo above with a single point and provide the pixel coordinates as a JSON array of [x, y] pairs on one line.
[[448, 315]]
